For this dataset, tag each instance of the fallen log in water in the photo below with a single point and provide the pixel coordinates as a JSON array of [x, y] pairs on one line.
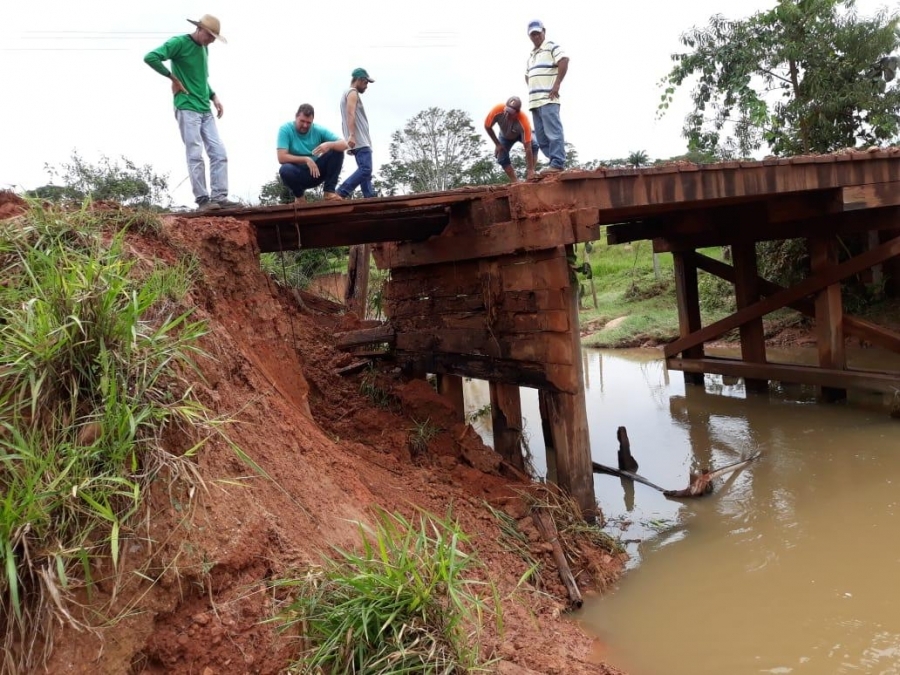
[[602, 468], [700, 483]]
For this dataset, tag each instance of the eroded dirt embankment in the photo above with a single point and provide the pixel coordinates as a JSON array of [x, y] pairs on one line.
[[329, 455]]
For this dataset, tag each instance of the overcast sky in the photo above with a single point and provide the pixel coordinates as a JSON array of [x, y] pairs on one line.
[[73, 76]]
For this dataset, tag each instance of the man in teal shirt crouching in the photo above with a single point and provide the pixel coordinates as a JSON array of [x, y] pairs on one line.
[[309, 155]]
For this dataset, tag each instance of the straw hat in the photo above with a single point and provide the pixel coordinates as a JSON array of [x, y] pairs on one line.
[[210, 23]]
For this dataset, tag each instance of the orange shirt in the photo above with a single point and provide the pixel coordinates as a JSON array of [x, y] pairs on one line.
[[511, 128]]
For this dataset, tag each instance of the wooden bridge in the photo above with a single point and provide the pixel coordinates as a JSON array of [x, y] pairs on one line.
[[481, 283]]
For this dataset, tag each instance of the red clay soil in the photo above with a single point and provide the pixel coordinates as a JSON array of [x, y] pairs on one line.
[[331, 456], [11, 204]]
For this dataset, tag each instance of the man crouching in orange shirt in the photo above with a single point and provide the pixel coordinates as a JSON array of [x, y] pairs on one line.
[[514, 128]]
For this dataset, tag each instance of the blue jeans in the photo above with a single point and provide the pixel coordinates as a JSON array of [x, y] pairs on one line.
[[503, 158], [298, 178], [198, 130], [362, 177], [549, 132]]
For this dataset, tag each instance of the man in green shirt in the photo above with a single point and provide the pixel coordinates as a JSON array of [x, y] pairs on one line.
[[188, 55]]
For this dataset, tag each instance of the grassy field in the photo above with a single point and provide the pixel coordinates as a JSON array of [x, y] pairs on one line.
[[634, 305]]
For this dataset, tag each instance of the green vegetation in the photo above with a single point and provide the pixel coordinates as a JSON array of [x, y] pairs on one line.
[[108, 180], [297, 269], [421, 435], [805, 76], [94, 353], [408, 603], [629, 290]]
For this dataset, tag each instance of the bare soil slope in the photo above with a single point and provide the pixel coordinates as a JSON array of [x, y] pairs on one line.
[[330, 455]]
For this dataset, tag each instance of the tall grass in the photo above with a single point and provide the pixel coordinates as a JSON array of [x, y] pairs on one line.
[[405, 604], [92, 357]]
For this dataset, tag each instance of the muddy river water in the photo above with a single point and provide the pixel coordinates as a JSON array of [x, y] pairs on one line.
[[792, 566]]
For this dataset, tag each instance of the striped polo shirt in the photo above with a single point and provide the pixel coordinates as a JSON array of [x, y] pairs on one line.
[[541, 73]]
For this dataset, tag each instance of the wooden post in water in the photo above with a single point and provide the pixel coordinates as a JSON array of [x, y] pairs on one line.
[[357, 290], [506, 415], [746, 292], [687, 294], [566, 418], [829, 315]]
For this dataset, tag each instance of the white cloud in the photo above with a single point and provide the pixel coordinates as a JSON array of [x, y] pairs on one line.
[[74, 78]]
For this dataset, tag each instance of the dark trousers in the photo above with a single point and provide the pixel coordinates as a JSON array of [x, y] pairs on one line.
[[298, 178], [362, 177]]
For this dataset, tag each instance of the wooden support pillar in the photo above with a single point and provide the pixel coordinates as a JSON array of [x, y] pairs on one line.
[[747, 291], [891, 267], [829, 315], [547, 433], [357, 289], [687, 294], [566, 416], [451, 386], [506, 415]]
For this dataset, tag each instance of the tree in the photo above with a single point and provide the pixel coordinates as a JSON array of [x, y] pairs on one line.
[[126, 183], [808, 76], [637, 159], [435, 150], [276, 192]]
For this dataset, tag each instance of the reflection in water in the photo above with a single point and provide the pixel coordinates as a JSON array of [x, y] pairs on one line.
[[789, 567]]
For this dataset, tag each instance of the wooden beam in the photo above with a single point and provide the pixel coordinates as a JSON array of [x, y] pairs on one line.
[[532, 233], [687, 293], [548, 377], [851, 222], [357, 338], [822, 377], [871, 195], [724, 221], [535, 347], [859, 328], [829, 314], [285, 236], [506, 418], [746, 291], [781, 299]]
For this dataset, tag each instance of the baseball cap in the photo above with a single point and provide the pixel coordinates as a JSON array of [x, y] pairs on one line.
[[361, 73], [513, 105], [535, 26]]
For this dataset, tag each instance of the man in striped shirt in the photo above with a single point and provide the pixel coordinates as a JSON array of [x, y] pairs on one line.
[[547, 66]]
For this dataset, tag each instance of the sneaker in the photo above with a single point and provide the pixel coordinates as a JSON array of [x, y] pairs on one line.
[[550, 170], [208, 206], [333, 197], [228, 204]]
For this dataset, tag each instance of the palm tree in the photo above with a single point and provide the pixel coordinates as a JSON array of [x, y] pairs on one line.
[[637, 159]]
